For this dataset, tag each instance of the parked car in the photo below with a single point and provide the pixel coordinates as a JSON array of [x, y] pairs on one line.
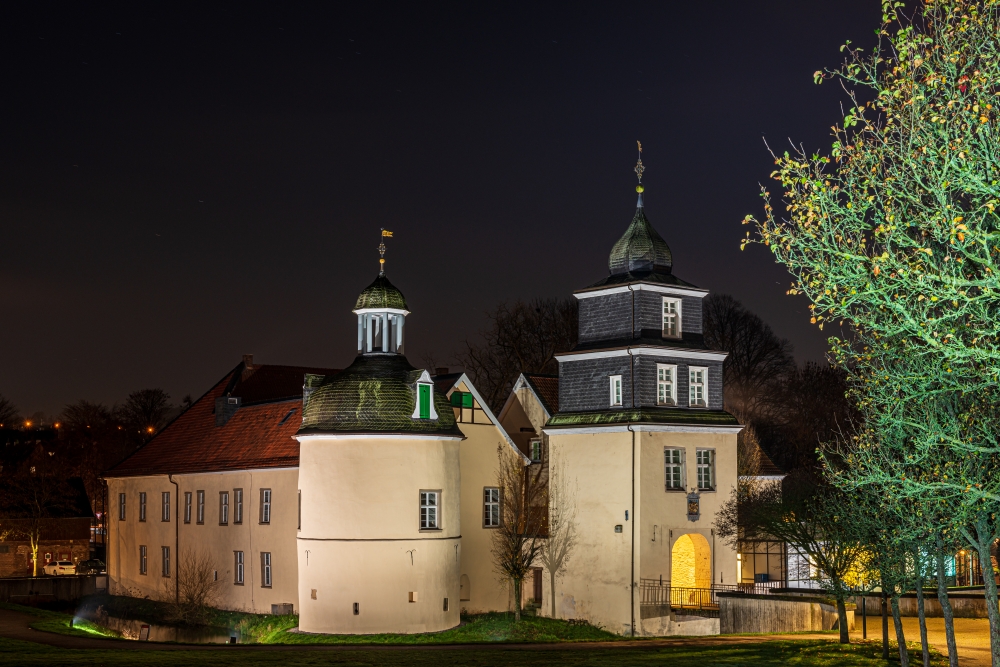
[[58, 567], [92, 566]]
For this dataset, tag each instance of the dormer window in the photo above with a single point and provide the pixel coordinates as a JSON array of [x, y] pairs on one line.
[[697, 383], [616, 390], [424, 404], [671, 318]]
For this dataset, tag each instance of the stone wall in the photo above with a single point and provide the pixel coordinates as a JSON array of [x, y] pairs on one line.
[[964, 605], [740, 613]]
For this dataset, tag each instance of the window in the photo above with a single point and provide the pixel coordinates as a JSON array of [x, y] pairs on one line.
[[666, 387], [265, 505], [671, 318], [674, 468], [142, 506], [237, 505], [223, 508], [166, 561], [429, 515], [424, 401], [491, 507], [696, 387], [165, 505], [187, 507], [142, 559], [201, 507], [265, 569], [121, 506], [464, 406], [706, 469], [238, 568], [616, 390], [536, 451]]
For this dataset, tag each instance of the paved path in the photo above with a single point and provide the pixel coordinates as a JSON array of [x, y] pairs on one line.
[[972, 635], [16, 625]]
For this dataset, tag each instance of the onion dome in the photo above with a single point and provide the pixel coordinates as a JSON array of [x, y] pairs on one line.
[[381, 294], [375, 394], [641, 249]]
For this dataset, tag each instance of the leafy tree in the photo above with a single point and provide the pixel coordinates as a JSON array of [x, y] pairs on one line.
[[521, 337], [9, 414]]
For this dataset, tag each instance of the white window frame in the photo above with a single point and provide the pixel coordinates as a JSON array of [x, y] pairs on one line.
[[265, 505], [673, 460], [671, 325], [223, 508], [165, 553], [536, 450], [265, 569], [143, 561], [237, 506], [201, 506], [187, 507], [668, 397], [142, 506], [430, 509], [615, 388], [165, 505], [491, 507], [238, 565], [705, 459], [424, 379], [693, 386]]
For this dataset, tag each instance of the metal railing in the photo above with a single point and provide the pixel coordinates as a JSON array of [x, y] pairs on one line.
[[656, 592]]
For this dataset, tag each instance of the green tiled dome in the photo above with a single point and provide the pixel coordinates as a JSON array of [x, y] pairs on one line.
[[381, 294], [640, 249], [375, 394]]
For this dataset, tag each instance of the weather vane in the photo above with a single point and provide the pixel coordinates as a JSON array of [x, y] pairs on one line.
[[639, 169], [381, 251]]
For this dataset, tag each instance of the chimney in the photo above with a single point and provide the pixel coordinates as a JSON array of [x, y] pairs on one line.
[[248, 368]]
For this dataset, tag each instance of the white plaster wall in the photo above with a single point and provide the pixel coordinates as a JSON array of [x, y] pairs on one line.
[[360, 527], [218, 542]]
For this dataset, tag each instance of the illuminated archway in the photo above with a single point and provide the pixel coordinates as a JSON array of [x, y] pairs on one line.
[[691, 562]]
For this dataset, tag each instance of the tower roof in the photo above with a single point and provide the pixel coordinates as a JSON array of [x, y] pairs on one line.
[[640, 249], [381, 294]]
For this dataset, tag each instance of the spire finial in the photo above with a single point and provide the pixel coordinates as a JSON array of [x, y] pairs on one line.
[[638, 172], [381, 250]]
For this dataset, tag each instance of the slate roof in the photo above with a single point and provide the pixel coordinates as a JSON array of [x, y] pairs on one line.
[[650, 338], [381, 294], [633, 277], [546, 387], [374, 395], [259, 435], [650, 416], [640, 248]]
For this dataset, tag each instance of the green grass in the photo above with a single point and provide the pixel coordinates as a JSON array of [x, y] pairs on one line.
[[795, 653], [61, 624]]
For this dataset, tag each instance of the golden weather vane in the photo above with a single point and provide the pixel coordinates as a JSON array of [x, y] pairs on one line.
[[381, 251], [639, 169]]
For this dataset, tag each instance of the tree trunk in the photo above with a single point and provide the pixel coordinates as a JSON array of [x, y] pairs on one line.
[[845, 637], [919, 567], [34, 540], [885, 626], [984, 540], [897, 622], [946, 611], [517, 600]]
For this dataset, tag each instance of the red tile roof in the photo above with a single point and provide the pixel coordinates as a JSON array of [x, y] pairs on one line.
[[547, 388], [258, 435]]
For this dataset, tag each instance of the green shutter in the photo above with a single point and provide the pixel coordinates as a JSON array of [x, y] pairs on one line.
[[424, 394], [456, 399], [466, 399]]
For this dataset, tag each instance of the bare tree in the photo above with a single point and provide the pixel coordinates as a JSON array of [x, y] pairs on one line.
[[517, 542], [521, 337], [9, 414], [561, 541], [197, 589], [29, 499], [143, 414]]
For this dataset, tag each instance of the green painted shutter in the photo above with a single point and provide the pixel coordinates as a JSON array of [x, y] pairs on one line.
[[424, 394], [466, 399]]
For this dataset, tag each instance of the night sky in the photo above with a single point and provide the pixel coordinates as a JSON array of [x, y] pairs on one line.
[[180, 186]]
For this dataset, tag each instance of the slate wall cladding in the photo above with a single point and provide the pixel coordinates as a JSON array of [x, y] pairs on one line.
[[584, 385], [605, 317], [608, 317]]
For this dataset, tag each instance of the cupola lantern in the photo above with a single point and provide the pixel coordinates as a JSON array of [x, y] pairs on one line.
[[381, 311]]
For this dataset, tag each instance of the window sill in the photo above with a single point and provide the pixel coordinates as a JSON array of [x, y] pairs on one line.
[[672, 489], [431, 530], [263, 586], [237, 583], [706, 491], [263, 523]]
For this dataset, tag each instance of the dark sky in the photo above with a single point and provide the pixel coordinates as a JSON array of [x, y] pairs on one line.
[[181, 186]]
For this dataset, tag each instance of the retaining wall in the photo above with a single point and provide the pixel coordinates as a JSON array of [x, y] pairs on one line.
[[67, 588], [743, 613]]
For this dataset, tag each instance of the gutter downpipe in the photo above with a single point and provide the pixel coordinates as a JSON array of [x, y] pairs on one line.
[[177, 538], [631, 371]]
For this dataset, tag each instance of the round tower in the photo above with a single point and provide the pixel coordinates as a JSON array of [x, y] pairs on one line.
[[379, 482]]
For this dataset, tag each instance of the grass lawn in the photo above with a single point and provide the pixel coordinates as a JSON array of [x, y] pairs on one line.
[[812, 653]]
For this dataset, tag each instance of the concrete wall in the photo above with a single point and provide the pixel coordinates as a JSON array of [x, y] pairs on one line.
[[29, 590], [361, 541], [209, 539], [963, 605], [740, 613]]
